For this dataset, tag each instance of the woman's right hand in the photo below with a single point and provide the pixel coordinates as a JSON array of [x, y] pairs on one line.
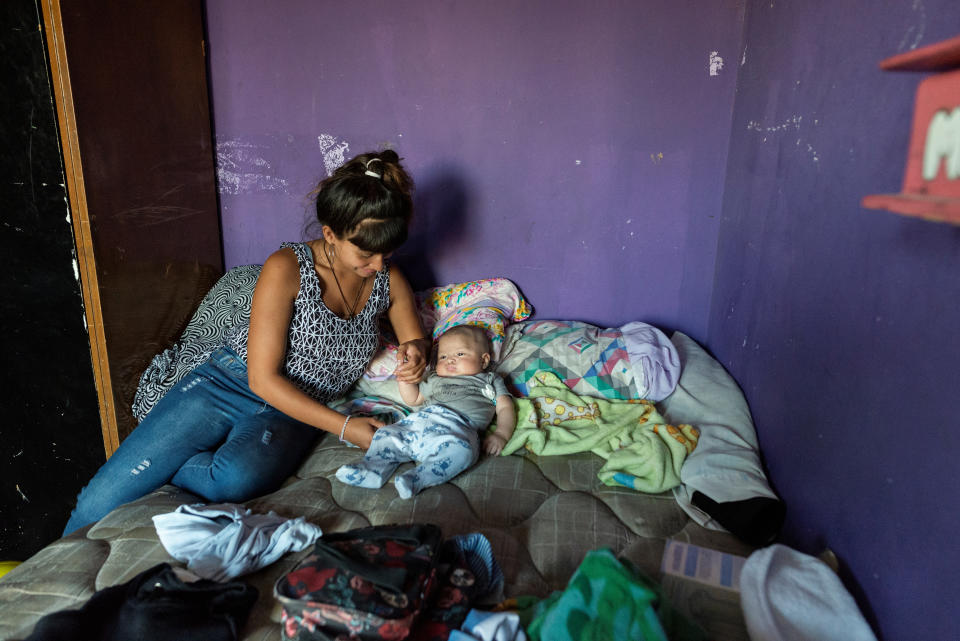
[[412, 360], [360, 430]]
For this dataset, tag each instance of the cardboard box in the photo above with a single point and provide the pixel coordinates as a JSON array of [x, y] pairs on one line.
[[704, 584]]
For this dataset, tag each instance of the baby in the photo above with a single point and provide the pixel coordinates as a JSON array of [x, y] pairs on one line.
[[441, 437]]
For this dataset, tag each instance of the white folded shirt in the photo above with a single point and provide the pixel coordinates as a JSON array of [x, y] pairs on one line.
[[225, 540]]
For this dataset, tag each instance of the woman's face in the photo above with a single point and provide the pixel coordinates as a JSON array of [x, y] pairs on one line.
[[360, 261]]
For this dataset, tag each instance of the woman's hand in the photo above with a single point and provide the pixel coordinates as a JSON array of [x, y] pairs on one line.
[[360, 430], [412, 360]]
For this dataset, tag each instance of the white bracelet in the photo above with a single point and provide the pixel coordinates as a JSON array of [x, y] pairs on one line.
[[344, 428]]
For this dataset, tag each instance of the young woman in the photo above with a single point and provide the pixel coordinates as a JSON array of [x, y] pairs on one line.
[[241, 422]]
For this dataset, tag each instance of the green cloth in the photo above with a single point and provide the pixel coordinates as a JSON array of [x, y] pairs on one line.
[[641, 450], [606, 600]]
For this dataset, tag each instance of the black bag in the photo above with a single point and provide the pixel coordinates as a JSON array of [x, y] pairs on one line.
[[155, 604]]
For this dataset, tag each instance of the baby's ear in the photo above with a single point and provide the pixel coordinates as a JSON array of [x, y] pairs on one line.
[[486, 360]]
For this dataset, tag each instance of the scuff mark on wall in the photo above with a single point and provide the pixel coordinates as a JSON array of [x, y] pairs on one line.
[[715, 63], [811, 151], [155, 214], [794, 123], [915, 32], [242, 169], [333, 151]]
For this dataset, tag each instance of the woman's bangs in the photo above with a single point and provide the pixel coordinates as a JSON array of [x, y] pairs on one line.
[[380, 236]]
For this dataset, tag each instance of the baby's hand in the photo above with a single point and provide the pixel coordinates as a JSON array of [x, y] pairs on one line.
[[494, 444]]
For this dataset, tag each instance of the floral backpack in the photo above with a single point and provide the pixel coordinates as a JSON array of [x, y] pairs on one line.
[[375, 583]]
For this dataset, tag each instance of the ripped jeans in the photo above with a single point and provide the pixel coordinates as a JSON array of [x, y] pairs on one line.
[[209, 435]]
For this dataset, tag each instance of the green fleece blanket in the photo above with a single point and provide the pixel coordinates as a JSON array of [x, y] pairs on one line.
[[642, 451]]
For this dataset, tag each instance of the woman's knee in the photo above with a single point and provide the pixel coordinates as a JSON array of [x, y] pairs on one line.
[[107, 490]]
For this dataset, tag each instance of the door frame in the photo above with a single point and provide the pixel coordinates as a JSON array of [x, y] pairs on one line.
[[86, 262]]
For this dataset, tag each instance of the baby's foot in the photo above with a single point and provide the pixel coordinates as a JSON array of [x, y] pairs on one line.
[[359, 476], [406, 486]]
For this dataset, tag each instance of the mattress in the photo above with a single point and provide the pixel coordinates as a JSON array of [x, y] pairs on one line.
[[541, 515]]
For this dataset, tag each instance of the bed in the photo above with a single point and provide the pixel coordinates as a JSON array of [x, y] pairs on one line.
[[542, 512]]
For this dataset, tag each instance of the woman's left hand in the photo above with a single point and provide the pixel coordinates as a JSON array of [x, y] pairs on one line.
[[412, 360]]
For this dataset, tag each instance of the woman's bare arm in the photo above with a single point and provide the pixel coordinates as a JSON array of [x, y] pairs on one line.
[[270, 316], [414, 347]]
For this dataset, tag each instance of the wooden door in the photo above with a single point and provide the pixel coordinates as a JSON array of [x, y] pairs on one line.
[[130, 88]]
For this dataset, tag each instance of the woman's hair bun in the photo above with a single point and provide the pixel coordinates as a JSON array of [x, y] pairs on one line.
[[389, 155], [371, 186]]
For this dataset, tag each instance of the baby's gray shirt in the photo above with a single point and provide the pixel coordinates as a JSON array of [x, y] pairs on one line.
[[474, 396]]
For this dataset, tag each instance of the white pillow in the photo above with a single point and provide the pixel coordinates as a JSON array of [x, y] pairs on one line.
[[781, 588]]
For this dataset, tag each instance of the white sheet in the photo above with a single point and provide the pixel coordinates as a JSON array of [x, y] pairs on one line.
[[725, 465]]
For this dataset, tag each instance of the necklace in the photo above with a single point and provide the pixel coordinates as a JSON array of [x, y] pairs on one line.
[[350, 309]]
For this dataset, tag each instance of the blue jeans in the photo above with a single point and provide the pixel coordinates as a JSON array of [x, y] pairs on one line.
[[209, 435]]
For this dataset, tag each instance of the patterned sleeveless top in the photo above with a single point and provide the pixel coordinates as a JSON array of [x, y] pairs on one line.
[[325, 353]]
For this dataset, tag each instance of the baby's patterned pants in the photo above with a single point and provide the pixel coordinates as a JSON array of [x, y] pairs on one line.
[[436, 437]]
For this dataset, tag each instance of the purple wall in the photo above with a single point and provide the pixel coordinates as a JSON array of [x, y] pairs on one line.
[[841, 323], [535, 132], [575, 148]]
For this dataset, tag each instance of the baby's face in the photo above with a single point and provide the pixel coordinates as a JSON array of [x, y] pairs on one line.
[[458, 355]]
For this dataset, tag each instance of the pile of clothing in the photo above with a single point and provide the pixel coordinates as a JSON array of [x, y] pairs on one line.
[[409, 582], [378, 582]]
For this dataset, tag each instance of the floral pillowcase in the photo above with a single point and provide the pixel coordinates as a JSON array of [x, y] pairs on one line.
[[492, 304]]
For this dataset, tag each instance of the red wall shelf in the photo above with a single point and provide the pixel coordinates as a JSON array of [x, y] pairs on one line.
[[931, 182]]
